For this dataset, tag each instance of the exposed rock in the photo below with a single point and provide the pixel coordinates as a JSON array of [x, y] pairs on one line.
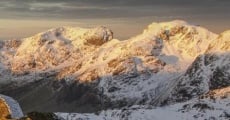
[[98, 36], [40, 116]]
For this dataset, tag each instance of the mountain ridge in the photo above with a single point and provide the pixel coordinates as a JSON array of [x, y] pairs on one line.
[[169, 63]]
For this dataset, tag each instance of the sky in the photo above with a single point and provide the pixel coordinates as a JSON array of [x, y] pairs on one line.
[[23, 18]]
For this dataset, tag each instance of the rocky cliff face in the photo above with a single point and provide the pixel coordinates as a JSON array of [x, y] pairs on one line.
[[87, 70]]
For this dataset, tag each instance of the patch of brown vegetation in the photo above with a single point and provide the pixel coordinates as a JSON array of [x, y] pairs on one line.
[[4, 112]]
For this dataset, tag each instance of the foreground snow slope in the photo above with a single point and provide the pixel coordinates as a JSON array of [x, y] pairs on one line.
[[194, 109]]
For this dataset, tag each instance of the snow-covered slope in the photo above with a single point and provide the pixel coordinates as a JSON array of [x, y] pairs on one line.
[[169, 62], [209, 71], [196, 109], [211, 106]]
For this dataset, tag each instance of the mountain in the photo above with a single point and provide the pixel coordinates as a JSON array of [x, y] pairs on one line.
[[171, 66]]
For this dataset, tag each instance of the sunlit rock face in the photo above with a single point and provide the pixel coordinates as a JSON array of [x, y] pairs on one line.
[[98, 36], [9, 108]]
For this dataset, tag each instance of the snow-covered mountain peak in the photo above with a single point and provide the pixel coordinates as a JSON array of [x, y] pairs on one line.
[[179, 40], [66, 36], [55, 46]]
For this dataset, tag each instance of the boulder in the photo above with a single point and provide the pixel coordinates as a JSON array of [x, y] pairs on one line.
[[9, 108]]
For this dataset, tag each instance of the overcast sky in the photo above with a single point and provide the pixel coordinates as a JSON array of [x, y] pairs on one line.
[[21, 18]]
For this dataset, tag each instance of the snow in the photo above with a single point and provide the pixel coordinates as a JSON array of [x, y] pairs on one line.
[[189, 110], [13, 106]]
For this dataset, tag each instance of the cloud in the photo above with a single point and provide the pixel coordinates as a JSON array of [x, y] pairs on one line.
[[77, 9], [137, 2]]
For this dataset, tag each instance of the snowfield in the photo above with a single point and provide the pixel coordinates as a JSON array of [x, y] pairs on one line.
[[210, 108], [191, 110]]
